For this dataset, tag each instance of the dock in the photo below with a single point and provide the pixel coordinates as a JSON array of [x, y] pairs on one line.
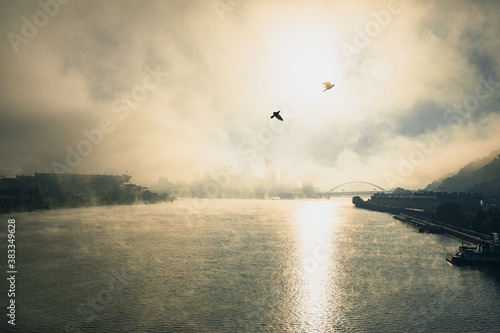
[[418, 224], [422, 225]]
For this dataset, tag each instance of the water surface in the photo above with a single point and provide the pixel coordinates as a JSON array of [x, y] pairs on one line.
[[241, 265]]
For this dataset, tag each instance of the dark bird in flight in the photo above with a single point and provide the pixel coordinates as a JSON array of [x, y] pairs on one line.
[[328, 86], [277, 115]]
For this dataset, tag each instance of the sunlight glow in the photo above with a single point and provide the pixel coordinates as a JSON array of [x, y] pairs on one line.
[[307, 69], [317, 220], [305, 57]]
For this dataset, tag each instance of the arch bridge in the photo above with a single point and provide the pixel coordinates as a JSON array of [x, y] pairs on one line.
[[353, 188]]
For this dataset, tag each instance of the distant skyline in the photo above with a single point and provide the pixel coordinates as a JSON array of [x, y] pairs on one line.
[[164, 88]]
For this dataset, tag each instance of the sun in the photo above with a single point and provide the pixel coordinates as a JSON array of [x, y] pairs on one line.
[[308, 68], [307, 57]]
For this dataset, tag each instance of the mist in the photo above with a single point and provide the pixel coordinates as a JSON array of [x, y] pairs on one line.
[[176, 88]]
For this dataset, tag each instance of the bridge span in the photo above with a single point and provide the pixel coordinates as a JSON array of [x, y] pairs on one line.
[[353, 188]]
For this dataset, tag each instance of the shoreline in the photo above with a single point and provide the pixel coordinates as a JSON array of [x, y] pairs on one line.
[[424, 222]]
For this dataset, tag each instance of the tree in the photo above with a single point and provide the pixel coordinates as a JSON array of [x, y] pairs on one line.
[[451, 213], [357, 200], [478, 220]]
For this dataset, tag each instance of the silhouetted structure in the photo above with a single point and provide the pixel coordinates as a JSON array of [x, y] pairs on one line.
[[308, 187], [55, 185], [50, 190], [470, 202], [13, 190]]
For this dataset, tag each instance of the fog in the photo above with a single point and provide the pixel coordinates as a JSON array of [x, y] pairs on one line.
[[175, 88]]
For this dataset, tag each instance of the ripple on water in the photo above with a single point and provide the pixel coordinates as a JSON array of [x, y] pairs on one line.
[[242, 265]]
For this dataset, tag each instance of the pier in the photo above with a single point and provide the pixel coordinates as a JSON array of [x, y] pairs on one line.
[[419, 225], [422, 224]]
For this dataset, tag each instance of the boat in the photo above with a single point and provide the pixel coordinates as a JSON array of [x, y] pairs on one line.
[[486, 253]]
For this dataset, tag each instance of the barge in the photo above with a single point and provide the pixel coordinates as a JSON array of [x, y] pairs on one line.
[[486, 253]]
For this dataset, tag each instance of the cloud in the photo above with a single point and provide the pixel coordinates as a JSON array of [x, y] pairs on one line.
[[226, 76], [424, 117]]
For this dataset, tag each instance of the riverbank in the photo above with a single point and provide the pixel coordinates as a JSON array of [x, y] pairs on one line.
[[78, 201], [425, 221]]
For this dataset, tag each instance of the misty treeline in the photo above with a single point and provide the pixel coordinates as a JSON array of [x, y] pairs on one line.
[[115, 196], [484, 220], [481, 176]]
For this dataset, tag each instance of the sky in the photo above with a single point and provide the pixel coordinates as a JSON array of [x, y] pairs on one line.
[[175, 88]]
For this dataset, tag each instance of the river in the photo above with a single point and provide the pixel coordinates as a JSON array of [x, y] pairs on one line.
[[240, 266]]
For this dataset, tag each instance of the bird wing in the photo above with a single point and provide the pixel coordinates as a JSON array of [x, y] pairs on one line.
[[327, 84], [279, 117]]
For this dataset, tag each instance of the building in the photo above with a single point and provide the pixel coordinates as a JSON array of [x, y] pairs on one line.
[[25, 188], [308, 186], [52, 185], [13, 190], [470, 202]]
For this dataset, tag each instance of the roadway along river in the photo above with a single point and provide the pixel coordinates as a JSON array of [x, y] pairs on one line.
[[240, 266]]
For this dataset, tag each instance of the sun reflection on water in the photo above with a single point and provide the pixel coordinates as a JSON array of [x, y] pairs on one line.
[[317, 221]]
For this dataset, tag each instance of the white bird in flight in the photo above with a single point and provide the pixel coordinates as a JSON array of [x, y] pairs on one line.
[[328, 86]]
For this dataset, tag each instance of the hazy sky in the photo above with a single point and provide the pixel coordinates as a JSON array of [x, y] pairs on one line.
[[166, 88]]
